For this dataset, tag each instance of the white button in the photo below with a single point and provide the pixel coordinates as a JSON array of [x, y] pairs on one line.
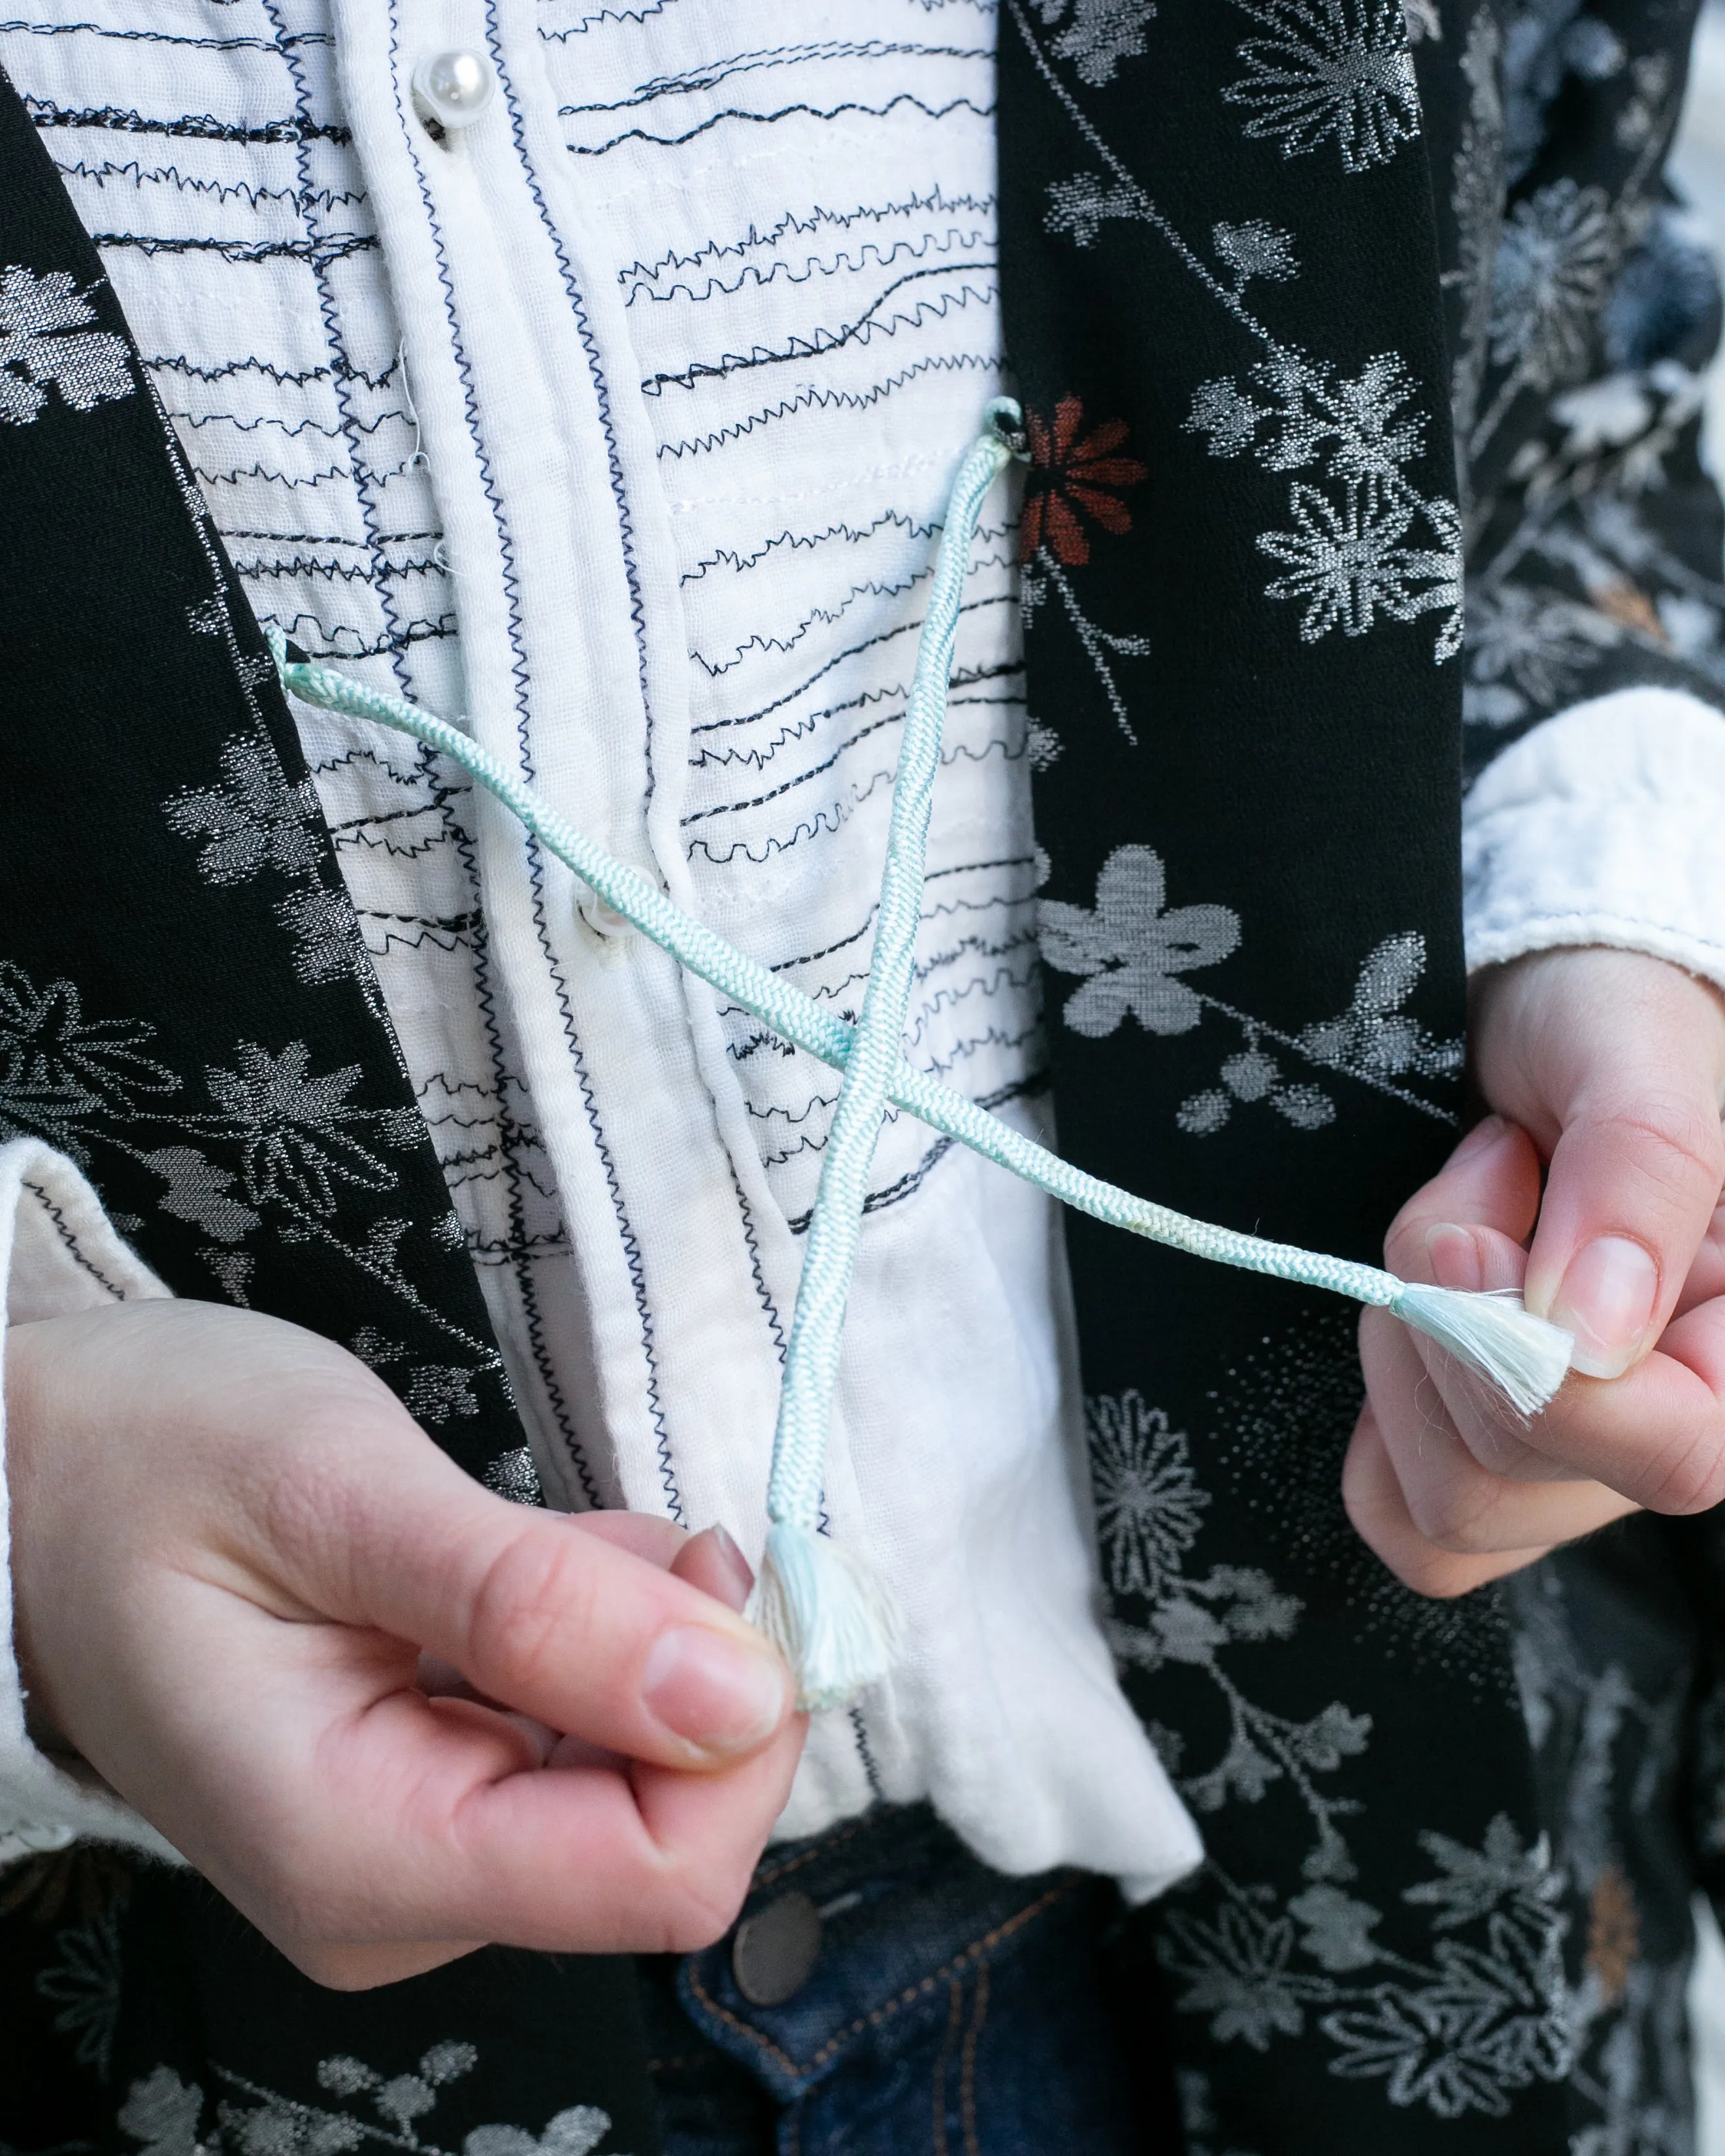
[[454, 88], [614, 930]]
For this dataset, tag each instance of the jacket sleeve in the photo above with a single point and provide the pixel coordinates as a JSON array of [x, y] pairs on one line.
[[1585, 315], [58, 1253]]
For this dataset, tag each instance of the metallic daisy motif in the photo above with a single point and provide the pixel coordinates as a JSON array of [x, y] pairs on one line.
[[1347, 561], [1330, 70], [1555, 261], [1149, 1507], [58, 1071], [297, 1131]]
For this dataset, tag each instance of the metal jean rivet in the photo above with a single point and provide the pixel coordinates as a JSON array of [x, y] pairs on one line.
[[774, 1952], [454, 87]]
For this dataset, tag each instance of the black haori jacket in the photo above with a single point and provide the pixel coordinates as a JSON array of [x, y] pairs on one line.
[[1265, 262]]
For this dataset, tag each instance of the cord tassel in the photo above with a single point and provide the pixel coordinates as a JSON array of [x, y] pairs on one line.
[[833, 1619], [1523, 1356]]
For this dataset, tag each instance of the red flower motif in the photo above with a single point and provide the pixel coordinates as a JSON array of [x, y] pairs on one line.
[[1071, 480]]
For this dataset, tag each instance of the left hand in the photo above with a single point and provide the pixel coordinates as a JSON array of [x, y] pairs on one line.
[[1608, 1069]]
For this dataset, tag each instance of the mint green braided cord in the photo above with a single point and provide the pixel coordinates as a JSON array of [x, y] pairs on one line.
[[837, 1626], [809, 1025], [811, 1369]]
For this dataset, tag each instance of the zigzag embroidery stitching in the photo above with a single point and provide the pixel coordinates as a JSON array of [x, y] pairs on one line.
[[797, 541], [717, 71], [319, 252], [753, 276], [758, 759], [838, 400], [784, 112], [68, 1236], [913, 1178], [631, 1246], [829, 820], [867, 325], [838, 659], [201, 127], [222, 191], [935, 202], [143, 37]]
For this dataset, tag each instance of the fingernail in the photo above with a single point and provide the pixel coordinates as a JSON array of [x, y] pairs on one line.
[[540, 1735], [735, 1566], [713, 1691], [1606, 1301], [1454, 1256], [1479, 1139]]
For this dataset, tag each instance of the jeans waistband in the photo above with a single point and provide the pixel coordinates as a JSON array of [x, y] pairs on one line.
[[886, 1911]]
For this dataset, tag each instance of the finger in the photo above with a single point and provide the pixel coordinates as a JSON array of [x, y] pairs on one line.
[[1465, 1229], [1706, 1275], [1657, 1434], [1630, 1064], [648, 1861], [1659, 1447], [643, 1535], [1377, 1505], [553, 1620], [368, 1968], [417, 1842], [710, 1561], [359, 1813], [713, 1563], [1476, 1260], [1490, 1181], [1451, 1500]]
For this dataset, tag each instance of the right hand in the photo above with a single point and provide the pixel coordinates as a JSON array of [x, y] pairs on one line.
[[1594, 1189], [235, 1557]]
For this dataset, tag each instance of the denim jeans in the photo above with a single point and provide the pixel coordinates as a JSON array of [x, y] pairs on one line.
[[945, 2009]]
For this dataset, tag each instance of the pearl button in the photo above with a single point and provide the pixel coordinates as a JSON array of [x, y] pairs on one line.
[[454, 88], [604, 919]]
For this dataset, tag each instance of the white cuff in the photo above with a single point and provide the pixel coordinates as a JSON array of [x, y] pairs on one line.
[[58, 1254], [1605, 824]]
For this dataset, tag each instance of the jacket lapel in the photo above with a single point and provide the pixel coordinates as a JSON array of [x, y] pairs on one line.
[[186, 1004]]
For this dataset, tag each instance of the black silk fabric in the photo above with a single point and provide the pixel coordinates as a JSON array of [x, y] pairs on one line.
[[1255, 254], [210, 1050], [1313, 304]]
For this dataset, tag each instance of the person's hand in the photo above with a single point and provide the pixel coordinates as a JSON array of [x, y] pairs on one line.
[[1607, 1068], [230, 1546]]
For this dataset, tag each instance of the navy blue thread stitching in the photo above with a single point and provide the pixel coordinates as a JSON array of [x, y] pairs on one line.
[[773, 1324], [838, 659], [717, 71], [822, 342], [637, 610], [534, 862], [69, 1237], [813, 399], [790, 222], [766, 119], [199, 127]]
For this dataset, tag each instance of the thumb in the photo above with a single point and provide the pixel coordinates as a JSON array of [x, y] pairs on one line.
[[1636, 1171], [561, 1621]]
